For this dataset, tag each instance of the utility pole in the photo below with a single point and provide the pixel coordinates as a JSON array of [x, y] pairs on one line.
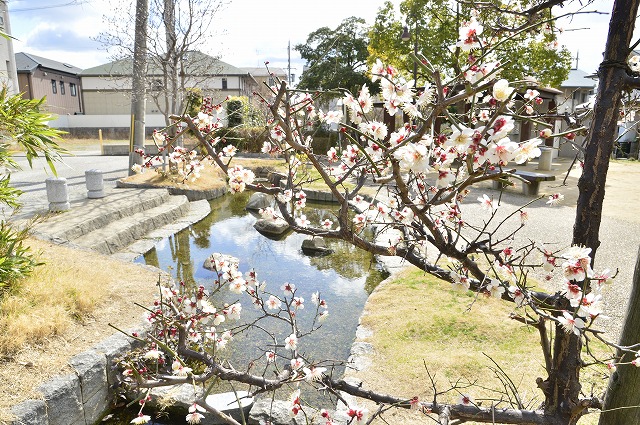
[[289, 63], [138, 83]]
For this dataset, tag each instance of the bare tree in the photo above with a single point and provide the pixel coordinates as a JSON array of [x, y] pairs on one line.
[[177, 32]]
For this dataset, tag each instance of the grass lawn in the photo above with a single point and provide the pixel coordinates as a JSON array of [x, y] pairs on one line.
[[419, 323]]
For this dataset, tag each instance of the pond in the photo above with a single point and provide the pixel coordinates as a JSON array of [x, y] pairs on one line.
[[343, 278]]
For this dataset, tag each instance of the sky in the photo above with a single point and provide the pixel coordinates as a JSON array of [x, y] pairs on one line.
[[247, 32]]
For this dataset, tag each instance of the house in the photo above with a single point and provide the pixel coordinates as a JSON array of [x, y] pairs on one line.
[[260, 78], [576, 90], [58, 81], [8, 75], [107, 88]]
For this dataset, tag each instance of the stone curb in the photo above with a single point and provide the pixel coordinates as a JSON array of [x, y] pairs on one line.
[[191, 194]]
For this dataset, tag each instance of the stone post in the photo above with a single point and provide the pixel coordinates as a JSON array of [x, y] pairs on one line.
[[544, 162], [95, 184], [57, 194]]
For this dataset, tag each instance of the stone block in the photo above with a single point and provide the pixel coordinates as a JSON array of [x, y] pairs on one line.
[[91, 369], [277, 412], [62, 397], [113, 347], [97, 405], [30, 412], [259, 201]]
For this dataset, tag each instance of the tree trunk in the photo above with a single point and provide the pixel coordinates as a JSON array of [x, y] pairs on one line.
[[599, 144], [624, 383], [562, 389], [139, 80]]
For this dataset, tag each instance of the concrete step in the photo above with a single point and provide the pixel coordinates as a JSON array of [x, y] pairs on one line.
[[118, 234], [88, 215]]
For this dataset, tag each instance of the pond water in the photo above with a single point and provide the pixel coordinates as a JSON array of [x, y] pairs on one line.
[[343, 278]]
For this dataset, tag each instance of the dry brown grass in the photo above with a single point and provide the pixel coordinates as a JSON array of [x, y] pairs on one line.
[[64, 308], [211, 177]]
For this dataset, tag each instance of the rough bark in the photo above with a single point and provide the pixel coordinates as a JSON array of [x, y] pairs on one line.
[[612, 75], [138, 88], [622, 398]]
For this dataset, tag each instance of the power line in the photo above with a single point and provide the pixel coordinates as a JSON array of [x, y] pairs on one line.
[[71, 3]]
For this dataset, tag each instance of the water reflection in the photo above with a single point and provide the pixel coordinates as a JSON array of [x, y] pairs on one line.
[[344, 278]]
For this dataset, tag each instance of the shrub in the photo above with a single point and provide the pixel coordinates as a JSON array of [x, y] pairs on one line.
[[16, 261]]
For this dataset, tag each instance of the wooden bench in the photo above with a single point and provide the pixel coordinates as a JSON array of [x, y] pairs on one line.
[[531, 185]]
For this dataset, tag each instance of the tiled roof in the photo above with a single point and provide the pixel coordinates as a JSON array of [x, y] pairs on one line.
[[26, 62], [197, 63], [578, 78]]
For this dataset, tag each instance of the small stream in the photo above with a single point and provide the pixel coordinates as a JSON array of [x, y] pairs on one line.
[[344, 278]]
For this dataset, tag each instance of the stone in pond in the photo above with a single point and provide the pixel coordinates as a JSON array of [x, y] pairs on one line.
[[209, 263], [315, 247], [258, 201], [230, 404], [271, 228], [277, 412]]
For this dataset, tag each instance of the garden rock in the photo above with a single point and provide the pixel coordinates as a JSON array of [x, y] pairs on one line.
[[258, 201], [315, 247], [271, 228], [277, 412]]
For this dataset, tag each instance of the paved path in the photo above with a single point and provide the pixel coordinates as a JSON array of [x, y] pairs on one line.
[[32, 180]]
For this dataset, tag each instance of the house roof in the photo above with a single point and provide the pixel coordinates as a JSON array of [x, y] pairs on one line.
[[578, 78], [26, 62], [197, 63], [264, 72]]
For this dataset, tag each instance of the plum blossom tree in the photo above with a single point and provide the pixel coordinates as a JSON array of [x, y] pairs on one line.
[[422, 180]]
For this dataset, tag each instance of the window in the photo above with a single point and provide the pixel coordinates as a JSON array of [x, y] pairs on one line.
[[224, 84], [272, 81], [72, 89], [62, 88], [54, 86]]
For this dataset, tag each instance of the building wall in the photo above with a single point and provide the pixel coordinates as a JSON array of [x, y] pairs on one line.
[[8, 74], [40, 84], [109, 95]]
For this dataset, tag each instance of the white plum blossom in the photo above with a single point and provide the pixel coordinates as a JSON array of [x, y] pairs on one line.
[[634, 63], [274, 303], [194, 417], [486, 203], [288, 288], [239, 177], [468, 35], [501, 90], [531, 94], [312, 373], [555, 199], [291, 342], [571, 323], [495, 288], [527, 150], [141, 419]]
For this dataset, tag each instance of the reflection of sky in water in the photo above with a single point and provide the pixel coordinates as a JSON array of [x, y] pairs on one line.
[[277, 262], [341, 279]]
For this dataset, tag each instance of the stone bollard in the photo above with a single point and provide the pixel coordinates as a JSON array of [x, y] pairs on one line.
[[544, 162], [95, 184], [57, 194]]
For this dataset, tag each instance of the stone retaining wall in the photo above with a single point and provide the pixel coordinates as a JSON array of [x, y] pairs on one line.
[[82, 397]]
